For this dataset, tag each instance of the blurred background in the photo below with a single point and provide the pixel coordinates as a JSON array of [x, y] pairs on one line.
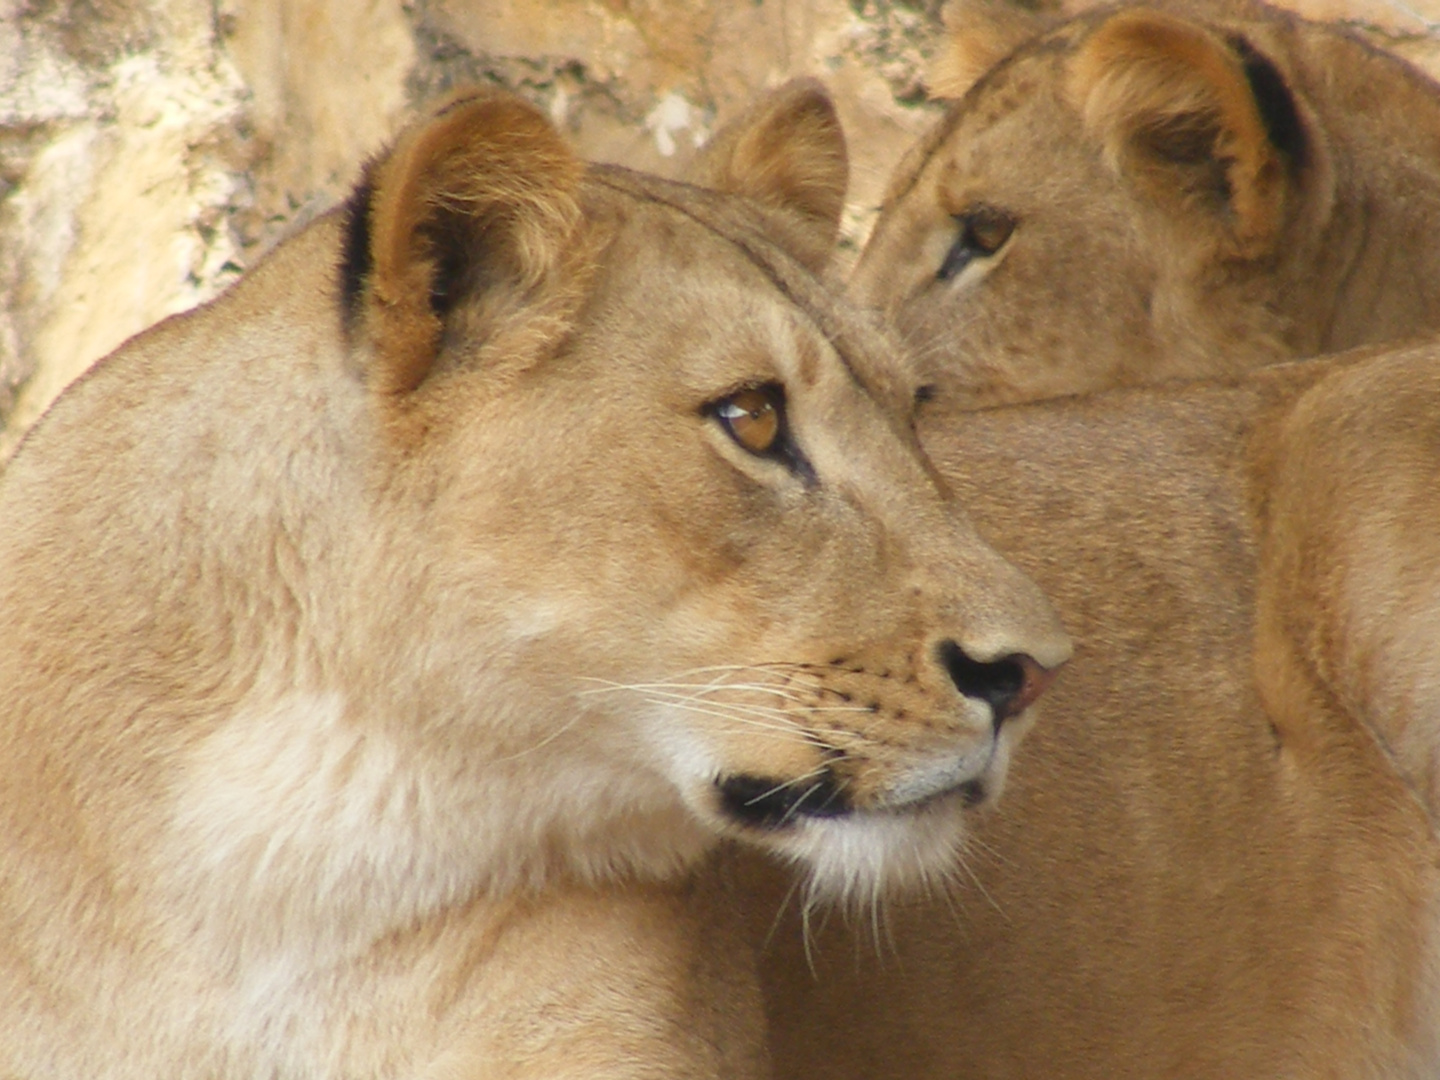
[[151, 150]]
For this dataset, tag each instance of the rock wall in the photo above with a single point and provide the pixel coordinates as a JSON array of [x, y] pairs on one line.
[[150, 150]]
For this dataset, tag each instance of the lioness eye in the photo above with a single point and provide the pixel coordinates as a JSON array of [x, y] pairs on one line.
[[752, 417], [983, 231]]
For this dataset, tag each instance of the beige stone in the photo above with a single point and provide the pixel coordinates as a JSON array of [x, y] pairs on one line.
[[151, 149], [116, 216]]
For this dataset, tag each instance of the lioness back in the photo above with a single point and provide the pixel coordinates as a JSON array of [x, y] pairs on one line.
[[1147, 193], [387, 643]]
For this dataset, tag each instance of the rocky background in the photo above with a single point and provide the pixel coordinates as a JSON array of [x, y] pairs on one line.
[[150, 150]]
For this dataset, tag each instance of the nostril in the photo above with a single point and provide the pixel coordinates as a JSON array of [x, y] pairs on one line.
[[1008, 685]]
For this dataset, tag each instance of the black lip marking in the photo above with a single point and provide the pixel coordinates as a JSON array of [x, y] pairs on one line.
[[769, 803]]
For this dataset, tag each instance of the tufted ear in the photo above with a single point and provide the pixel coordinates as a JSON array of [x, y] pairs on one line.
[[464, 223], [1203, 124], [787, 152], [978, 35]]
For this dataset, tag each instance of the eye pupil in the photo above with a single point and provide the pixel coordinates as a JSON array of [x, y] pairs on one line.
[[987, 230], [752, 418], [983, 231]]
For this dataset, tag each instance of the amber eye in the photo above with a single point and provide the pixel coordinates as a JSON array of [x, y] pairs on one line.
[[988, 228], [752, 417], [983, 231]]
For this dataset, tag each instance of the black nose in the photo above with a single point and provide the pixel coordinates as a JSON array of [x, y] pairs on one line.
[[1007, 685]]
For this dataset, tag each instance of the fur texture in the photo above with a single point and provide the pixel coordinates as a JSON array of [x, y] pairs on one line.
[[1217, 856]]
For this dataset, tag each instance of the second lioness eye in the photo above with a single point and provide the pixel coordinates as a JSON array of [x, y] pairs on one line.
[[753, 417], [983, 231]]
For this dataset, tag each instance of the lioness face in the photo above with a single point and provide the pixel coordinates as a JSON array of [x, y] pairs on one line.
[[594, 529], [1008, 253], [1100, 209], [727, 572]]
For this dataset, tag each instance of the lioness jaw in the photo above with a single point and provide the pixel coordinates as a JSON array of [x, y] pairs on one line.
[[386, 642]]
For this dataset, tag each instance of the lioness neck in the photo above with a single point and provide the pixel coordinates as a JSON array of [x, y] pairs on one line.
[[319, 773]]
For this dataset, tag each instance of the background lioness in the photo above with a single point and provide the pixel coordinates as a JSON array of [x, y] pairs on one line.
[[385, 642], [1158, 192], [1219, 856], [1205, 865]]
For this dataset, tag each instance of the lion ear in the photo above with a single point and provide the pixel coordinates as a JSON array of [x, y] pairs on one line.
[[978, 35], [1193, 118], [468, 216], [787, 152]]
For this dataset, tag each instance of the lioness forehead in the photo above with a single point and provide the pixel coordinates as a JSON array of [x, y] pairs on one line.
[[867, 352], [1008, 87]]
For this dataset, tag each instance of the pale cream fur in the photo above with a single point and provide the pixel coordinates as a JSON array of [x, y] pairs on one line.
[[1193, 194], [374, 641]]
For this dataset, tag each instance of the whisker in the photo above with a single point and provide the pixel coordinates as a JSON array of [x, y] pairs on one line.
[[807, 938], [672, 692], [947, 893], [546, 741], [780, 914], [745, 721], [874, 905], [700, 690], [786, 817], [962, 865], [990, 851], [753, 706]]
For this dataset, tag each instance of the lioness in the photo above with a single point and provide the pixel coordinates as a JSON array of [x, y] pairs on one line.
[[383, 645], [1140, 194]]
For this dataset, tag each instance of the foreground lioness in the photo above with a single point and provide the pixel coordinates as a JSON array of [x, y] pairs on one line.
[[1138, 195], [383, 643]]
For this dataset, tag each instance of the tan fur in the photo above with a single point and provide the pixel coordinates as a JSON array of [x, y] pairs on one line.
[[379, 643], [978, 35], [787, 151], [1217, 856], [1349, 601], [1142, 76], [1175, 218]]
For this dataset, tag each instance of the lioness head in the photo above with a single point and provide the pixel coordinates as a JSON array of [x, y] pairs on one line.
[[533, 519], [1143, 194]]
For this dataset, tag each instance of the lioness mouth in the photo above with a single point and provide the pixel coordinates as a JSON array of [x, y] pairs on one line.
[[766, 802]]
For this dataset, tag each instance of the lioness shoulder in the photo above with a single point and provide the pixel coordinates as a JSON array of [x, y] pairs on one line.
[[1145, 193], [384, 644]]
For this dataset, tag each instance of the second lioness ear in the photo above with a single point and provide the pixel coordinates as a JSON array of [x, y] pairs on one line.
[[463, 226], [787, 152], [1195, 119]]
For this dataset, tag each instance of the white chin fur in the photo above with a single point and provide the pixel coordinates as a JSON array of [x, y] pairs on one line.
[[858, 859]]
